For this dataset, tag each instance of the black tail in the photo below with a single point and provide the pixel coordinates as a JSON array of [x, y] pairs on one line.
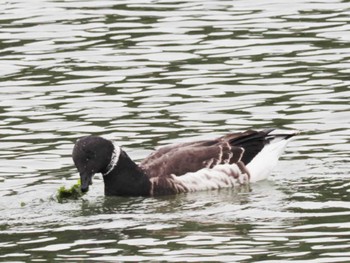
[[254, 141]]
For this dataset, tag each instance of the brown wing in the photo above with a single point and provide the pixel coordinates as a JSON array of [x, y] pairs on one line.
[[182, 158], [251, 141]]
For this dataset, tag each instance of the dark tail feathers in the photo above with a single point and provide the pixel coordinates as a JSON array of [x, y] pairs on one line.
[[254, 141]]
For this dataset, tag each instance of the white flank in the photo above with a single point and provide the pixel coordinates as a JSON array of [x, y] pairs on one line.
[[220, 176], [264, 162], [114, 159]]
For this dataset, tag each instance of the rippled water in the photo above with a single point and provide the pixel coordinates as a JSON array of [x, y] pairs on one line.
[[148, 73]]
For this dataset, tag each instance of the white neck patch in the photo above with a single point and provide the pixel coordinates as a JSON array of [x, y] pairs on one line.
[[114, 159]]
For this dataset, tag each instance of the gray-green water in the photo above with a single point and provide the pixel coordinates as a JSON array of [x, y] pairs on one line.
[[148, 73]]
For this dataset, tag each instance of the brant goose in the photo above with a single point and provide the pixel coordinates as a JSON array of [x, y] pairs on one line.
[[231, 160]]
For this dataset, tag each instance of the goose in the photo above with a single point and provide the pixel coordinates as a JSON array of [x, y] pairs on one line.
[[231, 160]]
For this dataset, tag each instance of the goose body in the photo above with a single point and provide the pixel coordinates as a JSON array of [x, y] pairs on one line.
[[231, 160]]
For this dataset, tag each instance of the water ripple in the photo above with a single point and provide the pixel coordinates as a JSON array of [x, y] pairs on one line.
[[148, 73]]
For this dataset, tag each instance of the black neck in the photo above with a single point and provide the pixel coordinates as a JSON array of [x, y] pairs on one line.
[[126, 179]]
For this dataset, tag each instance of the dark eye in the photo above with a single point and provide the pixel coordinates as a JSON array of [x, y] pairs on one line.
[[89, 156]]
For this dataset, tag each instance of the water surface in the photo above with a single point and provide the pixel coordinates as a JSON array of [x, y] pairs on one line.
[[149, 73]]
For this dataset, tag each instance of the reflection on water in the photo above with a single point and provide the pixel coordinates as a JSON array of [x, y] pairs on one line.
[[148, 73]]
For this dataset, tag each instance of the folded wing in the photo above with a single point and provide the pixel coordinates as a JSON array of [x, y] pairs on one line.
[[179, 159]]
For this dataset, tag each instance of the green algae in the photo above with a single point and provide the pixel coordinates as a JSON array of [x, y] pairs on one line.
[[74, 192]]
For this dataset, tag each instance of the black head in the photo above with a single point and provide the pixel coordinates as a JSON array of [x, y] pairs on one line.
[[93, 154]]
